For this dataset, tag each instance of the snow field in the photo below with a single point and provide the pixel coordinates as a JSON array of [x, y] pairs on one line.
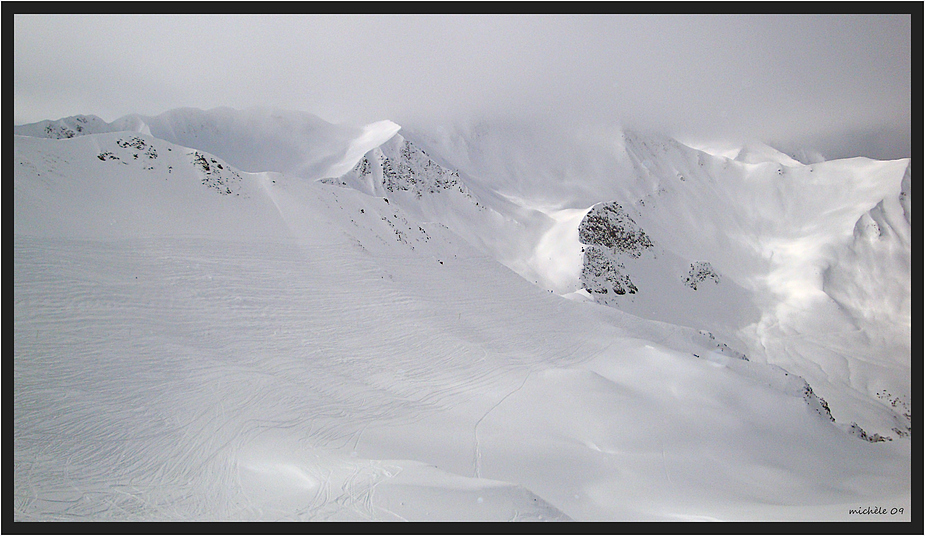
[[182, 372], [239, 380]]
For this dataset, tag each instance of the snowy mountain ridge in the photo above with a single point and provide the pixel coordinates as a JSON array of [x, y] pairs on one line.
[[257, 139], [766, 290]]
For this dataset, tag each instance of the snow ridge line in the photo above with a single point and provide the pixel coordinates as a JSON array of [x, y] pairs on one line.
[[478, 451]]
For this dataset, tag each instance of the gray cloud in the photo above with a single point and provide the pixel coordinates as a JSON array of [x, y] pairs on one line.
[[810, 80]]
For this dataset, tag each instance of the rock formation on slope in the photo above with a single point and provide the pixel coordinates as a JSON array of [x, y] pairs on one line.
[[399, 166]]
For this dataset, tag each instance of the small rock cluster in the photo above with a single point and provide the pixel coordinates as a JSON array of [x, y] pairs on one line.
[[215, 175], [700, 271], [130, 150], [136, 150], [817, 403]]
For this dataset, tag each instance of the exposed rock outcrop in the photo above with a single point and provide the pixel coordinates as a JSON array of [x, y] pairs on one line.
[[400, 166], [608, 233], [608, 225]]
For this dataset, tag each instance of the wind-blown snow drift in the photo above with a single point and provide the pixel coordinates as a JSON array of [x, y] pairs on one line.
[[204, 331]]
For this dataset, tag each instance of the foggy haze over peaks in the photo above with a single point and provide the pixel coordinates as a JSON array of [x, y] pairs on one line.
[[836, 85]]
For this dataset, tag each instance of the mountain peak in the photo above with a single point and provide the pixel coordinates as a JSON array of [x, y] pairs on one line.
[[395, 165]]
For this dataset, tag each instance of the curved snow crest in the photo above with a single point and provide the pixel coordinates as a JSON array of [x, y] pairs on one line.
[[759, 153], [374, 135]]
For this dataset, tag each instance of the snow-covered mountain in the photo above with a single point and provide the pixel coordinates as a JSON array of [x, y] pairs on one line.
[[259, 315], [258, 139], [767, 234]]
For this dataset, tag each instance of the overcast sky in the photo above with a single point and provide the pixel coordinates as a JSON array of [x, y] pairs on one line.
[[838, 84]]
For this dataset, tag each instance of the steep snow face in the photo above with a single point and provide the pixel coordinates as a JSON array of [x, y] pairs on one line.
[[869, 277], [542, 165], [515, 235], [786, 233], [775, 233], [259, 139], [373, 136], [624, 268], [557, 258]]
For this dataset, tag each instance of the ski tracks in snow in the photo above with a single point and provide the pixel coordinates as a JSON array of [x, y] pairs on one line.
[[477, 463], [147, 370]]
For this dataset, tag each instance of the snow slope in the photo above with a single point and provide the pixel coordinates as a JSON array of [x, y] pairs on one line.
[[779, 238], [196, 341]]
